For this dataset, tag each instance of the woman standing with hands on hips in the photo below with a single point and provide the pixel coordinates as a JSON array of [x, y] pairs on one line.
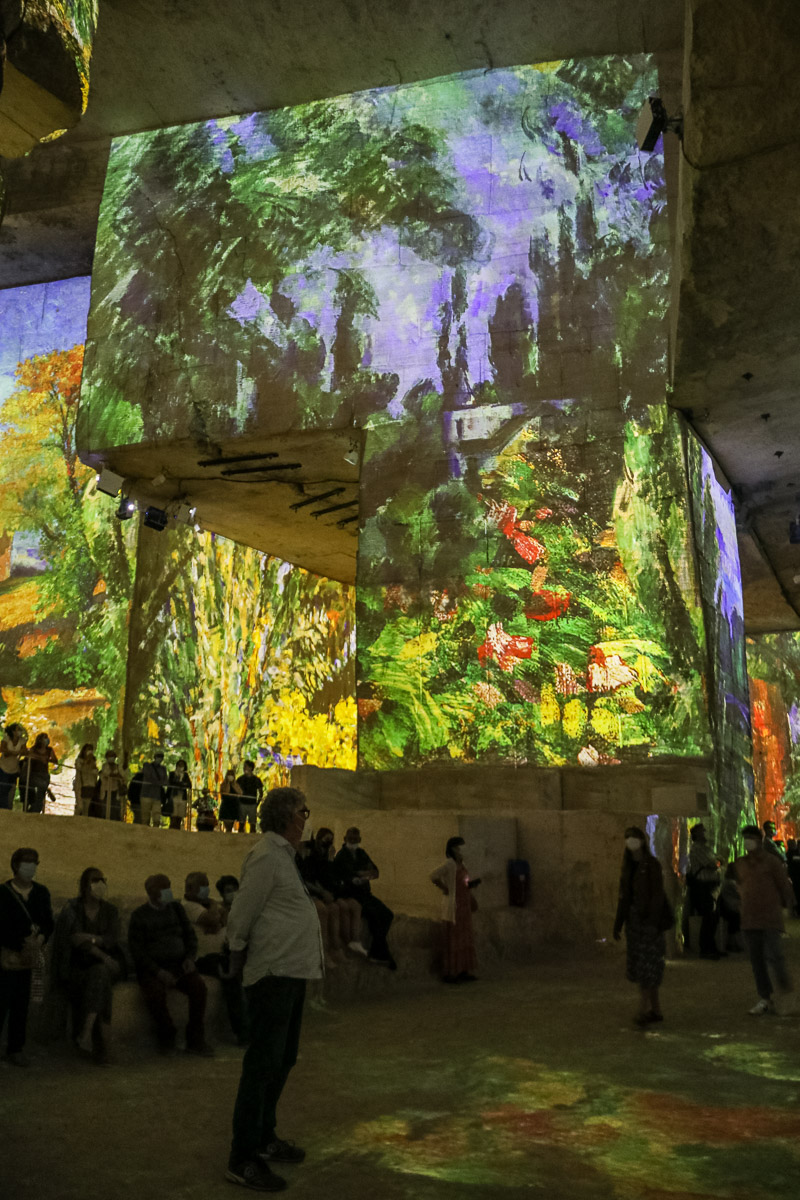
[[645, 912]]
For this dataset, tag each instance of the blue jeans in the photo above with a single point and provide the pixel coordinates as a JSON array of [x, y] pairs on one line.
[[8, 785]]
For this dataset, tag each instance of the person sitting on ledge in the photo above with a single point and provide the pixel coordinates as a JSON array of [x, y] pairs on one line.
[[26, 922], [459, 962], [163, 945], [357, 869], [88, 960], [339, 914], [227, 886], [209, 919]]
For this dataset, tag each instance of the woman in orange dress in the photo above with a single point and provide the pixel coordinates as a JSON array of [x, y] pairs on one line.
[[459, 962]]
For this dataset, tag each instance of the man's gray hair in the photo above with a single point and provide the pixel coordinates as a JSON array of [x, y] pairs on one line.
[[280, 805]]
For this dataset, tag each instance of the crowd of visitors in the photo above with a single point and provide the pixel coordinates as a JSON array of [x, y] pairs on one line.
[[112, 791], [750, 899]]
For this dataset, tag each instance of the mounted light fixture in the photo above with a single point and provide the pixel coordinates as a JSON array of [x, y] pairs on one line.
[[126, 508], [108, 482], [353, 454]]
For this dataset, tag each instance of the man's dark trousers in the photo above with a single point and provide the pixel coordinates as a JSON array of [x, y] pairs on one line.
[[275, 1007]]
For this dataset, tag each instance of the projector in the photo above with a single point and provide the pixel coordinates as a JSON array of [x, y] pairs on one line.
[[653, 121], [109, 483]]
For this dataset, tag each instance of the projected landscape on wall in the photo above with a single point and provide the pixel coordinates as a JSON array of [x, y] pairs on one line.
[[773, 663], [473, 270], [720, 579], [232, 653]]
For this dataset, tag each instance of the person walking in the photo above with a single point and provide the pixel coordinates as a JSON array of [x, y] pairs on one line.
[[85, 784], [179, 793], [274, 936], [154, 780], [12, 746], [702, 884], [230, 796], [459, 962], [772, 845], [26, 922], [765, 890], [34, 778], [644, 912]]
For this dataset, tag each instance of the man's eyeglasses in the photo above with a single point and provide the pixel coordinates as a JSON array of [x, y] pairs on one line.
[[305, 812]]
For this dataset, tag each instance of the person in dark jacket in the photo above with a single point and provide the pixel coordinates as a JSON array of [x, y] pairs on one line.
[[26, 922], [163, 946], [88, 960], [356, 867], [644, 912]]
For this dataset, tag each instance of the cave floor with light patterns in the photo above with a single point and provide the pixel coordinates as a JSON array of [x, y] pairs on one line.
[[534, 1083]]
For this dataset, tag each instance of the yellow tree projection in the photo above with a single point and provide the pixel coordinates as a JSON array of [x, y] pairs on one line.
[[63, 630], [235, 654]]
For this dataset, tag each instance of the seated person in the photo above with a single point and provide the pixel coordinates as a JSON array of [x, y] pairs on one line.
[[163, 945], [88, 960], [339, 914], [227, 886], [357, 868], [209, 919]]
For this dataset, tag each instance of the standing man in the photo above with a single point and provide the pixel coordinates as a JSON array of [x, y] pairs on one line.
[[770, 845], [252, 791], [702, 884], [765, 890], [274, 923], [154, 780]]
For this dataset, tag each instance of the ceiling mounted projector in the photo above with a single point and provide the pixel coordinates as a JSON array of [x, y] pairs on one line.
[[109, 483]]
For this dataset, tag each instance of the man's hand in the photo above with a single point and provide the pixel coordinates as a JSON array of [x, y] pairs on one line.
[[167, 978], [235, 964]]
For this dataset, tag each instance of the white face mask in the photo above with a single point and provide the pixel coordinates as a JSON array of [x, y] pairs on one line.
[[99, 889], [26, 870], [751, 844], [633, 843]]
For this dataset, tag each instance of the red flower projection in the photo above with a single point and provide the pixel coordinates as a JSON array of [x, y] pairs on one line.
[[504, 648], [547, 606], [505, 517]]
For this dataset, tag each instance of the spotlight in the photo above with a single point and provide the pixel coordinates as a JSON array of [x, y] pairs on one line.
[[185, 513], [653, 121], [155, 518], [108, 482], [353, 454], [794, 531], [126, 508]]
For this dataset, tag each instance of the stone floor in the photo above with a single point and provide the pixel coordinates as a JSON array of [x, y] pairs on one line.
[[532, 1084]]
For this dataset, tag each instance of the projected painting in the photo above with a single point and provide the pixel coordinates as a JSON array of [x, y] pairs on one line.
[[773, 663], [721, 590], [474, 270], [235, 655], [66, 564]]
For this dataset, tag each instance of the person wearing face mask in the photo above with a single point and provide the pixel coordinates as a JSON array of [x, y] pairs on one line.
[[339, 915], [12, 746], [459, 962], [85, 783], [771, 844], [154, 781], [26, 922], [274, 937], [765, 890], [88, 960], [358, 870], [209, 919], [702, 884], [227, 886], [35, 773], [645, 913], [111, 793], [163, 944], [179, 795], [230, 796]]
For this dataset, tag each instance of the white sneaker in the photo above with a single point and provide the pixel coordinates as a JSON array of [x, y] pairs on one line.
[[758, 1009], [357, 948]]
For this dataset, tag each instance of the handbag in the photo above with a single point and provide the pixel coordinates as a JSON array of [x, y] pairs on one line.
[[31, 953]]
